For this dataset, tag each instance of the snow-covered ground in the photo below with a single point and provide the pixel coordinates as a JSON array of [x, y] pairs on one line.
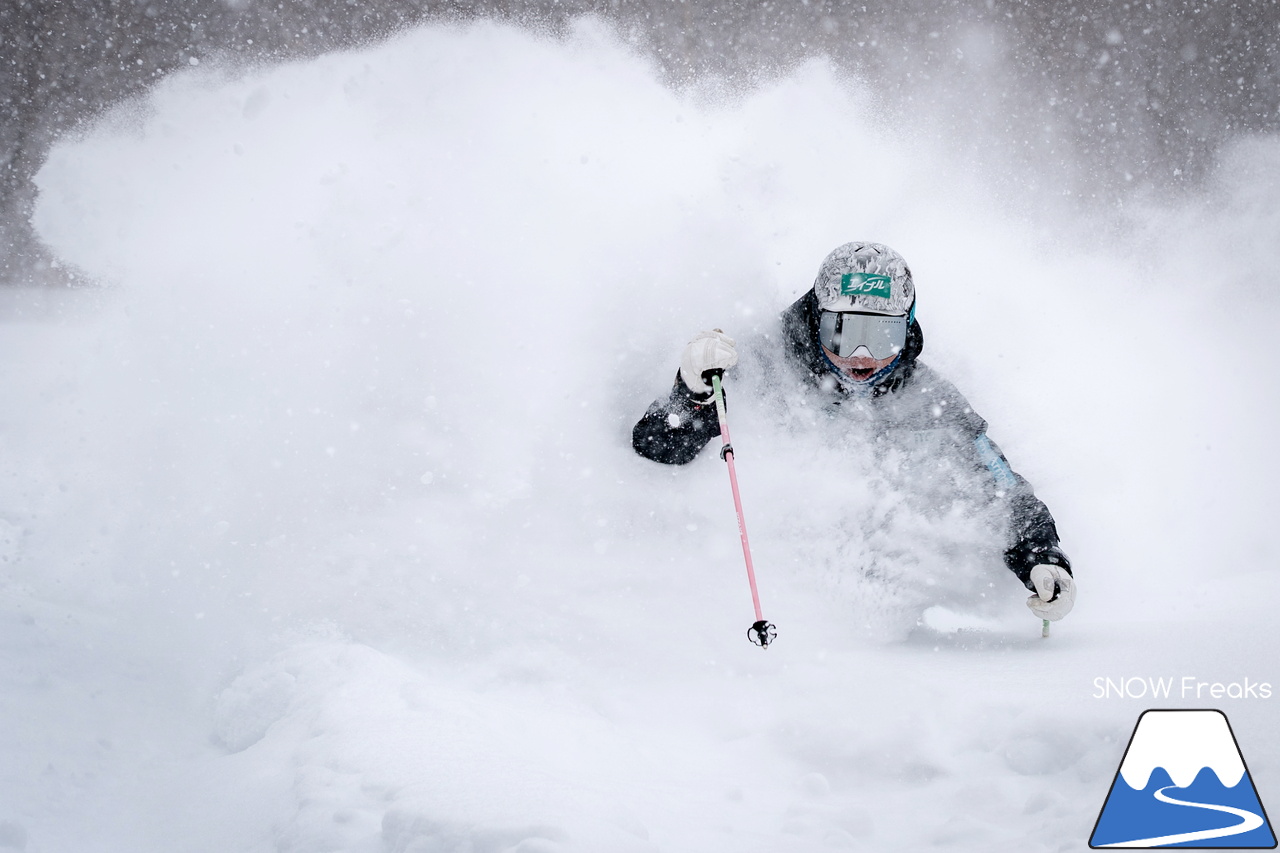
[[321, 529]]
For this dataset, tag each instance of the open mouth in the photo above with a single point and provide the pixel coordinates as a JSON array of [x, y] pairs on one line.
[[860, 373]]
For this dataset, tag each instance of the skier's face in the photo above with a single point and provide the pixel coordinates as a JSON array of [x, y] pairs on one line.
[[860, 366]]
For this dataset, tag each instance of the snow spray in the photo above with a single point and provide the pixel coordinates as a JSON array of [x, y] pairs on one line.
[[762, 632]]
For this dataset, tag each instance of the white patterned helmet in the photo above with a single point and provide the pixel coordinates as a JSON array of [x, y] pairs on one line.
[[866, 277]]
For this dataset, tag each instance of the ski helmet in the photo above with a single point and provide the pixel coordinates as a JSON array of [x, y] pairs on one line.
[[867, 277]]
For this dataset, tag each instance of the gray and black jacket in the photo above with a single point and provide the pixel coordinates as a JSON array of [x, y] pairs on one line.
[[911, 398]]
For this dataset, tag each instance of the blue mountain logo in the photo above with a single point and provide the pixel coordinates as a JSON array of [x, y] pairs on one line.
[[1183, 783]]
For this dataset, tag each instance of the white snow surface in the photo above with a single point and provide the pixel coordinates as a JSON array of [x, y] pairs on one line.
[[321, 529], [1183, 743]]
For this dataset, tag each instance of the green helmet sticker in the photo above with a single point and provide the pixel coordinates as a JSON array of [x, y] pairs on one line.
[[865, 284]]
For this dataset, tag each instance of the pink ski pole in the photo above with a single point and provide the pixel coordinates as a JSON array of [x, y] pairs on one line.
[[761, 633]]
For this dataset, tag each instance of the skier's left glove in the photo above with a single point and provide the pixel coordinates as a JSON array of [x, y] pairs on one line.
[[1055, 592]]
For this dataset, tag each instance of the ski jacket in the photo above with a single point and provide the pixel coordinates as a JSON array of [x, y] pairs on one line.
[[911, 401]]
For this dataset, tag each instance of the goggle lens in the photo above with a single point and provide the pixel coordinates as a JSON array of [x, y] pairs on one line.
[[843, 332]]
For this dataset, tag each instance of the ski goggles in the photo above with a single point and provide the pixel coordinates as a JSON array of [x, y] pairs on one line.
[[843, 332]]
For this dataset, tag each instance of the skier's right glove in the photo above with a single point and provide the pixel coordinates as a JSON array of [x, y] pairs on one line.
[[707, 351], [1055, 592]]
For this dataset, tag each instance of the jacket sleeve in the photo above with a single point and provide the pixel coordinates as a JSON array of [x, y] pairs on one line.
[[1032, 534], [673, 431]]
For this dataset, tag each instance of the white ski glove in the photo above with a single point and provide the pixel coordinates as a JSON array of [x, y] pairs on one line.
[[712, 350], [1045, 603]]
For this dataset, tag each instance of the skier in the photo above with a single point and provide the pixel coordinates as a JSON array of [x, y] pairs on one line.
[[855, 337]]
